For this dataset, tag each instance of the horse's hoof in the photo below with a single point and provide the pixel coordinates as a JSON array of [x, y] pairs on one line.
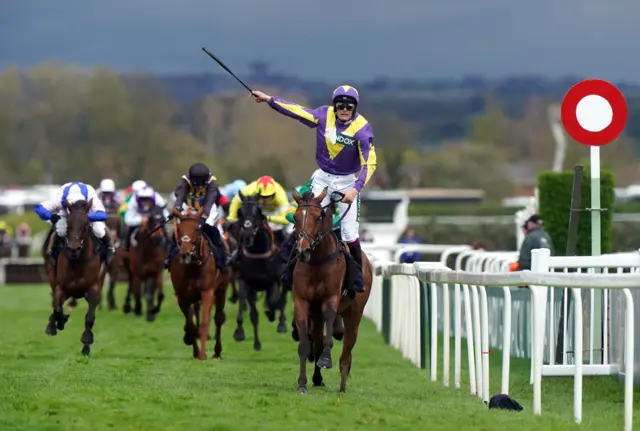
[[112, 307], [209, 338], [126, 308], [271, 315], [319, 384], [294, 335], [282, 328], [339, 335], [51, 330], [238, 335], [302, 390], [151, 317], [233, 298], [61, 322], [86, 350], [324, 362], [257, 346]]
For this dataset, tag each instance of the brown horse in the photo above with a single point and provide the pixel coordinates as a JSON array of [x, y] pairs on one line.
[[318, 297], [113, 229], [146, 259], [196, 278], [77, 273]]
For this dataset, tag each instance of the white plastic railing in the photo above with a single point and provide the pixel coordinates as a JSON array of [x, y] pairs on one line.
[[405, 325]]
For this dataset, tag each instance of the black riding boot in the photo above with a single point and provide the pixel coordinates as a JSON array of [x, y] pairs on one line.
[[56, 247], [356, 253], [173, 250], [221, 253], [127, 239], [109, 249]]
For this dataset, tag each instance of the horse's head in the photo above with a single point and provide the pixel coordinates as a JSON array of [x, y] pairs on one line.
[[310, 222], [250, 219], [151, 226], [188, 233], [77, 226]]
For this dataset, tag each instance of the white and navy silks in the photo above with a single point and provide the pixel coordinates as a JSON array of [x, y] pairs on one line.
[[134, 214], [73, 192]]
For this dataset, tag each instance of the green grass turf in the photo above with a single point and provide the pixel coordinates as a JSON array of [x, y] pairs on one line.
[[142, 377]]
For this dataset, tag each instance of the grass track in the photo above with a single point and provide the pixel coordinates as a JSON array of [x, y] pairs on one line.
[[142, 377]]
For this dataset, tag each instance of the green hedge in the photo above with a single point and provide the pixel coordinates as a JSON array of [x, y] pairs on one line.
[[555, 203]]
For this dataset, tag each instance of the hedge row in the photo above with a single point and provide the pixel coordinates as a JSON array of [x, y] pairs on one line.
[[625, 236]]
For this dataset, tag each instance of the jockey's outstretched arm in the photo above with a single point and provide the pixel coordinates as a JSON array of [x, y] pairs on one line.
[[212, 197], [368, 158], [49, 207], [281, 201], [132, 217], [232, 216], [182, 189], [308, 117], [97, 211], [160, 201]]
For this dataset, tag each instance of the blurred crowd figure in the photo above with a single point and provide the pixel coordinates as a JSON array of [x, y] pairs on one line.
[[409, 237], [365, 235], [535, 237]]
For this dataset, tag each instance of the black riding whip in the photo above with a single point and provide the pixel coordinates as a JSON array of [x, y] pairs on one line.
[[217, 60]]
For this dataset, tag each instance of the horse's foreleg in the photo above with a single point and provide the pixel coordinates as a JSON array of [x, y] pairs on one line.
[[329, 308], [282, 305], [219, 318], [57, 319], [272, 299], [301, 312], [252, 297], [149, 295], [317, 347], [127, 302], [111, 298], [160, 290], [190, 330], [207, 304], [137, 296], [351, 324], [89, 319], [238, 334], [234, 292]]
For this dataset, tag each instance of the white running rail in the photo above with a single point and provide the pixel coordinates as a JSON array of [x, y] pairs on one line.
[[398, 306]]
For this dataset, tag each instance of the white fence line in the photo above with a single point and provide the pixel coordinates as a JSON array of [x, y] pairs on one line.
[[398, 308]]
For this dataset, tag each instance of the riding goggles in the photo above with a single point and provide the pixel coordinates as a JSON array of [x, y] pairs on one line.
[[348, 106]]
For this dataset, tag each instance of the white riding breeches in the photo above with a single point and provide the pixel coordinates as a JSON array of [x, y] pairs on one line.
[[350, 225], [98, 227]]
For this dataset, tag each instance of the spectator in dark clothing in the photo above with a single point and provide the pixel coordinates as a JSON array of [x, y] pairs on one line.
[[409, 238], [535, 238]]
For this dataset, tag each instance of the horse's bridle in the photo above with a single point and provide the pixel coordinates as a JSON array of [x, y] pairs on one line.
[[315, 241], [196, 245]]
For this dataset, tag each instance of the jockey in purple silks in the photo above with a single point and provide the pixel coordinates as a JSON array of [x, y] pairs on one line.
[[344, 152]]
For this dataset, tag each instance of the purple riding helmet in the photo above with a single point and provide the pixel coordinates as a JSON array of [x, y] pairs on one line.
[[347, 94], [147, 192]]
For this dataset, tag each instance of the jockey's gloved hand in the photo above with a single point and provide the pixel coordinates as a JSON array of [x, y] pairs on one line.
[[54, 218]]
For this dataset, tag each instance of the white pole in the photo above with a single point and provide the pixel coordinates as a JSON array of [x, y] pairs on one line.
[[596, 238]]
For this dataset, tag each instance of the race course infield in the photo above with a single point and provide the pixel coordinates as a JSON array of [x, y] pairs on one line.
[[140, 376]]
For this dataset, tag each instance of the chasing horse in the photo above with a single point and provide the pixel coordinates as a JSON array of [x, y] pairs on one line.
[[258, 267], [147, 251], [113, 230], [107, 194], [79, 242], [323, 278], [197, 276]]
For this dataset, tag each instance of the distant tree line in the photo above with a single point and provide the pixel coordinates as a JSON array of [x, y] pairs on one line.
[[59, 123]]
